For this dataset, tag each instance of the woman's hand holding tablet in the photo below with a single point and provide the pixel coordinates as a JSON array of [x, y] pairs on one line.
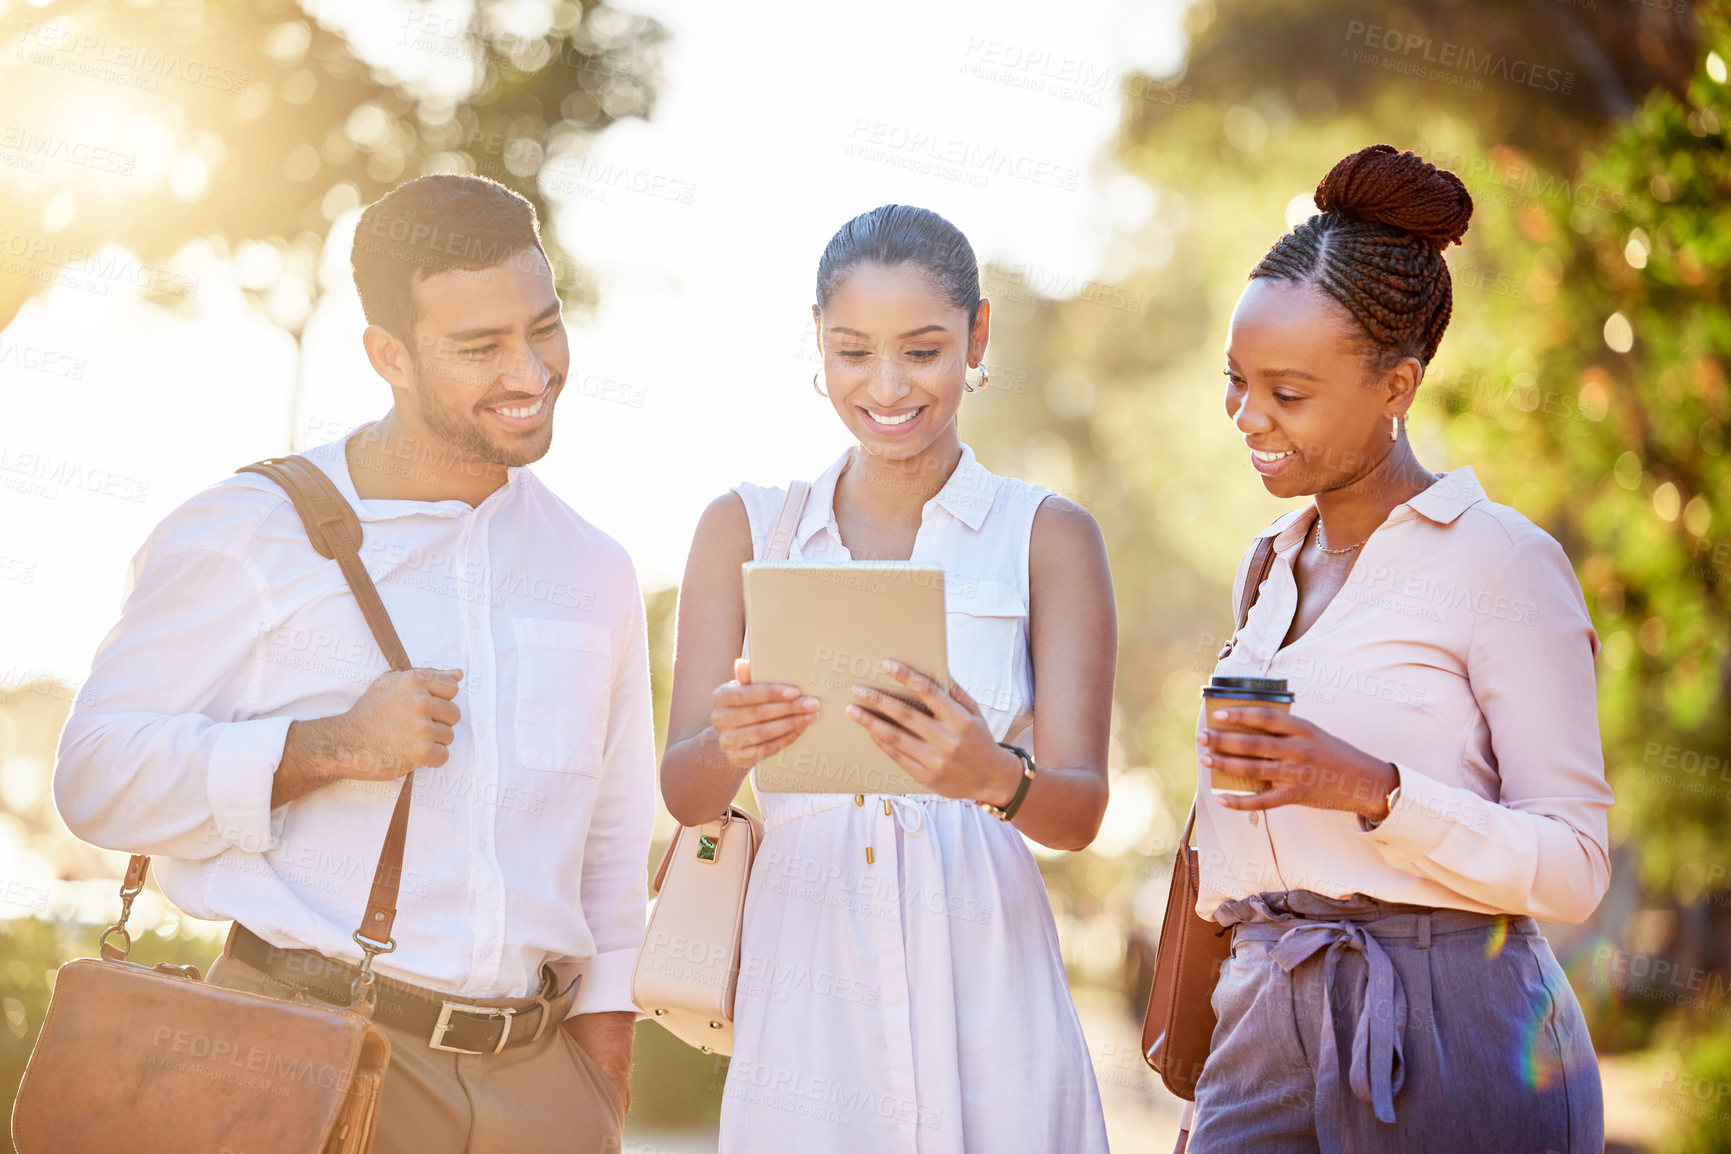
[[753, 722], [947, 747]]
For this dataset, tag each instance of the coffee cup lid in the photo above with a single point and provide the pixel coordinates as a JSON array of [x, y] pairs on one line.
[[1254, 684], [1271, 689]]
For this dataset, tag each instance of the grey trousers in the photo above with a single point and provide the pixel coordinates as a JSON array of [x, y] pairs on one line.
[[1350, 1025], [549, 1097]]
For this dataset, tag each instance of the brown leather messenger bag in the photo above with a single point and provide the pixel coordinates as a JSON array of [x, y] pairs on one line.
[[155, 1060], [1179, 1026]]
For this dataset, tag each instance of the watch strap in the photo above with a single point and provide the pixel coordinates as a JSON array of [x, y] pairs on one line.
[[1008, 812]]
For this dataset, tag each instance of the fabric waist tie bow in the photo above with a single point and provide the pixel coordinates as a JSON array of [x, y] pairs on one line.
[[1377, 1072], [1300, 923]]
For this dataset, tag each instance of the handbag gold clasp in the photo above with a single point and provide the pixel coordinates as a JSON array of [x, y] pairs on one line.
[[130, 887], [116, 953], [362, 992], [188, 972], [709, 838]]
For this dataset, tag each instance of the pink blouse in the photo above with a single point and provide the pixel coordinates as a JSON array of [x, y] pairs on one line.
[[1460, 649]]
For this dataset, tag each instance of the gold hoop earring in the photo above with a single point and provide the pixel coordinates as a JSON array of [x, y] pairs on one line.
[[818, 389], [978, 382]]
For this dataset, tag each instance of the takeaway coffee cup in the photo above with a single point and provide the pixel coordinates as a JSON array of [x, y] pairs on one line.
[[1267, 692]]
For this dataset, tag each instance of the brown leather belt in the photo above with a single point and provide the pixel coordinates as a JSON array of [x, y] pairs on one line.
[[450, 1023]]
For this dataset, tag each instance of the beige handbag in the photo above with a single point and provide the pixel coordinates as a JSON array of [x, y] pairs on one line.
[[688, 968]]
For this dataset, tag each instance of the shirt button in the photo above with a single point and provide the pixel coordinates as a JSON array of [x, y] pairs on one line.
[[1255, 818]]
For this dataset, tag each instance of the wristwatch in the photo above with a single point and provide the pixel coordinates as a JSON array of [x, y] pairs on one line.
[[1388, 803], [1009, 811]]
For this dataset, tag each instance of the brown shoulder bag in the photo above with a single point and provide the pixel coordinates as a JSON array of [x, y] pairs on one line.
[[157, 1061], [1180, 1022]]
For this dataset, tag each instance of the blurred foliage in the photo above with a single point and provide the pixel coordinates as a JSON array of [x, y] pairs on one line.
[[1700, 1094], [1623, 456], [675, 1087], [658, 608], [1543, 78], [255, 125]]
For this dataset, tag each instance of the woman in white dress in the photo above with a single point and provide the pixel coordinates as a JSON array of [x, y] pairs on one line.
[[901, 987]]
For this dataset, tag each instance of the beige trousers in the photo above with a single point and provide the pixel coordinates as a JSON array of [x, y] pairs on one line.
[[548, 1097]]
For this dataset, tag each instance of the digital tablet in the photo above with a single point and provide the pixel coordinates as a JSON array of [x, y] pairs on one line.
[[826, 628]]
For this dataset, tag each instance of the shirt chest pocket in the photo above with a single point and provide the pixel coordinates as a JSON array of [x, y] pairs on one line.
[[984, 621], [564, 689]]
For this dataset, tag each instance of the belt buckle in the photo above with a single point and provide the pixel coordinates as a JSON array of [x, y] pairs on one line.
[[437, 1041]]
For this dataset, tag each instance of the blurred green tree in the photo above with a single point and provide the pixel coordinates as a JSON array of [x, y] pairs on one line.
[[147, 125], [1544, 78]]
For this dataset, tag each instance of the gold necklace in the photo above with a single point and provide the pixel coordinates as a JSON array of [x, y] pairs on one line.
[[1320, 539]]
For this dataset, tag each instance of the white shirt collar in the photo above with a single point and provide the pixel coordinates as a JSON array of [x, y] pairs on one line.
[[332, 457], [967, 496]]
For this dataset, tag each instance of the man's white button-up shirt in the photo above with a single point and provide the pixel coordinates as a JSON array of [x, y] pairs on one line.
[[528, 846]]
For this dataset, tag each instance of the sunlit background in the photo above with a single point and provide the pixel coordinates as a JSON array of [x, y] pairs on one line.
[[179, 183]]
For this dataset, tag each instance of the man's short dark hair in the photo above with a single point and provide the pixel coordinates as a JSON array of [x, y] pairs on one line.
[[428, 226]]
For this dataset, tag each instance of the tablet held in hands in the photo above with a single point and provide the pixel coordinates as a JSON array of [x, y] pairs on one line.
[[827, 628]]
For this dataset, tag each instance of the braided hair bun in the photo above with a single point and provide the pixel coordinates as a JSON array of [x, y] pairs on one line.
[[1401, 190], [1376, 248]]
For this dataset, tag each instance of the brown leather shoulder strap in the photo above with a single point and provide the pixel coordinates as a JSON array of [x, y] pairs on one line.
[[335, 532], [1189, 828], [1261, 560]]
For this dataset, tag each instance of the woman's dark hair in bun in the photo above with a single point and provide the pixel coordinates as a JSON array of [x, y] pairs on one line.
[[895, 234], [1376, 248]]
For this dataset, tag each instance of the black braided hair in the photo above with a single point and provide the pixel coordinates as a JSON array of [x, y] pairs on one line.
[[1376, 248]]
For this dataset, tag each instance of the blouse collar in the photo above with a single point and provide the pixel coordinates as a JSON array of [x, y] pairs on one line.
[[967, 496], [1451, 495]]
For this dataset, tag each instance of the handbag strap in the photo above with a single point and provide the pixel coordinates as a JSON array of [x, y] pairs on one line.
[[792, 508], [335, 531], [1261, 561], [780, 545]]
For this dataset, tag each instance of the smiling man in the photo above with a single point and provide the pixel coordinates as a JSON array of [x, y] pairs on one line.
[[239, 722]]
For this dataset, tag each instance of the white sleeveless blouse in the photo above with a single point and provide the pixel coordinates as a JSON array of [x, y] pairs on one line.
[[915, 1003]]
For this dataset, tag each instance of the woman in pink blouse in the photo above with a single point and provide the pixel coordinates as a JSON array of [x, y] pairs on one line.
[[1439, 783]]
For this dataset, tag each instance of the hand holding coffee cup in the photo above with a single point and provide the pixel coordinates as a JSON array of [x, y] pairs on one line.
[[1268, 692], [1259, 756]]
